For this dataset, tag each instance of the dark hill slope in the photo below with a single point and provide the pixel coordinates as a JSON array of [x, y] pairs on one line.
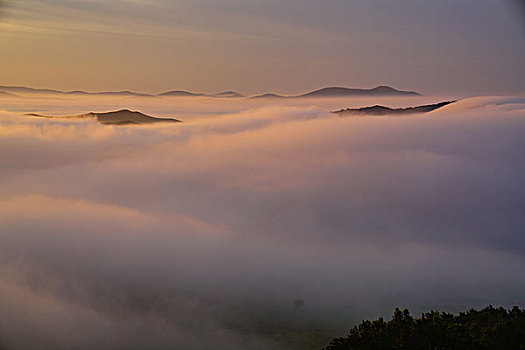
[[382, 110], [121, 117], [342, 91]]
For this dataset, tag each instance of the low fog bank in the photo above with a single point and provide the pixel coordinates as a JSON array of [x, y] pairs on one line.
[[255, 226]]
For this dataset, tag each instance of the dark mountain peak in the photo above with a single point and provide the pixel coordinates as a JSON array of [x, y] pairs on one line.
[[388, 90], [382, 110], [77, 92], [180, 93], [384, 88], [120, 117], [332, 90], [28, 90], [337, 91], [228, 94], [268, 96], [121, 93]]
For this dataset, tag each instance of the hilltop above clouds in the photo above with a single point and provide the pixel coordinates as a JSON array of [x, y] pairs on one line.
[[121, 117]]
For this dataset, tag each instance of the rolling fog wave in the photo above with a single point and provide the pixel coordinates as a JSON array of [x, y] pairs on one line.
[[260, 227]]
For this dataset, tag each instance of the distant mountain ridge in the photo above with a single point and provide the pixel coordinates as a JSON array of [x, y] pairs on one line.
[[28, 90], [120, 117], [181, 93], [324, 92], [23, 89], [342, 91], [346, 92], [228, 94], [269, 95]]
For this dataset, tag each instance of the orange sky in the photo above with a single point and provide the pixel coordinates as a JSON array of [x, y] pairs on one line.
[[252, 46]]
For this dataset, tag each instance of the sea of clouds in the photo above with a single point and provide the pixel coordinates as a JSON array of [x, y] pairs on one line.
[[262, 226]]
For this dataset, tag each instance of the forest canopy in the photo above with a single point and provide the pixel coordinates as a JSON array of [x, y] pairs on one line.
[[489, 328]]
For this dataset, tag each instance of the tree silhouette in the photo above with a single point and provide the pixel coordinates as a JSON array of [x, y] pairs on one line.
[[490, 328]]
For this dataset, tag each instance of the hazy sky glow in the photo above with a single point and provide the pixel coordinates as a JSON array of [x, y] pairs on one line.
[[436, 46]]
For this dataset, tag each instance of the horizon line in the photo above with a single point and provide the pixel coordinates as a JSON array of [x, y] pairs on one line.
[[198, 93]]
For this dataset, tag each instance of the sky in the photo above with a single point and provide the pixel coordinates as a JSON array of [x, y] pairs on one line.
[[287, 46]]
